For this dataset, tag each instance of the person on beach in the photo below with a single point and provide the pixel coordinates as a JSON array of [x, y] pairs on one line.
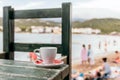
[[105, 46], [106, 69], [114, 42], [99, 45], [74, 74], [84, 54], [117, 59], [90, 55], [98, 76]]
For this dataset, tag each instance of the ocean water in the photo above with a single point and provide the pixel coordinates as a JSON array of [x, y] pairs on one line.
[[101, 44]]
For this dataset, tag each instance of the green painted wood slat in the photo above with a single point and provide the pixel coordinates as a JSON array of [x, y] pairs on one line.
[[11, 34], [8, 32], [38, 13], [66, 34], [27, 47]]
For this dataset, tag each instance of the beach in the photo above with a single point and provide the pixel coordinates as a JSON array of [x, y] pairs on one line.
[[86, 68], [98, 62]]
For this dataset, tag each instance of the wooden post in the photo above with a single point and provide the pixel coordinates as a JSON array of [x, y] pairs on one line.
[[12, 34], [66, 34], [8, 32]]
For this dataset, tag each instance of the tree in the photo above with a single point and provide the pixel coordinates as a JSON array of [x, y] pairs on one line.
[[23, 28]]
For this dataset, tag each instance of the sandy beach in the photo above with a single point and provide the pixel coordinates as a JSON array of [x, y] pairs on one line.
[[98, 63]]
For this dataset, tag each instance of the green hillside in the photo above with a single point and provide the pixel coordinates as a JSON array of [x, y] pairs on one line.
[[26, 23], [33, 22], [106, 25]]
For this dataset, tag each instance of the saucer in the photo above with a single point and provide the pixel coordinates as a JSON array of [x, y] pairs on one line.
[[56, 63]]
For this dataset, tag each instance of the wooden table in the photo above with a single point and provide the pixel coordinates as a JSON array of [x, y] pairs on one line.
[[19, 70]]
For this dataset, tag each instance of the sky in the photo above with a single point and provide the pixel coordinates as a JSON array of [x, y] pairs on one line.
[[81, 9]]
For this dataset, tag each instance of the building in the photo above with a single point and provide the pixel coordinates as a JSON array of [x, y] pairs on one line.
[[86, 31]]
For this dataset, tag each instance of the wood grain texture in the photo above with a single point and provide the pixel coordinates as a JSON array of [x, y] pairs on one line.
[[38, 13], [29, 47], [8, 32], [67, 34], [9, 70]]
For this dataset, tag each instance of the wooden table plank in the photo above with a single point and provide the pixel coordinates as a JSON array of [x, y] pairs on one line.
[[28, 71], [10, 77]]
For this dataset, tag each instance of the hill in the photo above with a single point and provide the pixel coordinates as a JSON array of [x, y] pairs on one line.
[[25, 24], [106, 25], [33, 22]]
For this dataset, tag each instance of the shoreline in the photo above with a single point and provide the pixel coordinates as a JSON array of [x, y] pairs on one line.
[[72, 33], [76, 60], [98, 62]]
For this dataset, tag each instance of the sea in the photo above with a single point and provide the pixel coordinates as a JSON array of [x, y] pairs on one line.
[[101, 44]]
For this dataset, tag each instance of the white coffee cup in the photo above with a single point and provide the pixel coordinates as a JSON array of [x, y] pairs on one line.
[[47, 54]]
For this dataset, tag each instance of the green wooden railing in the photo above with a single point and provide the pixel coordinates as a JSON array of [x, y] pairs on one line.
[[9, 15]]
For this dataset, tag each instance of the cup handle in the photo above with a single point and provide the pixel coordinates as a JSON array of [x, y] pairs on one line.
[[36, 51]]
